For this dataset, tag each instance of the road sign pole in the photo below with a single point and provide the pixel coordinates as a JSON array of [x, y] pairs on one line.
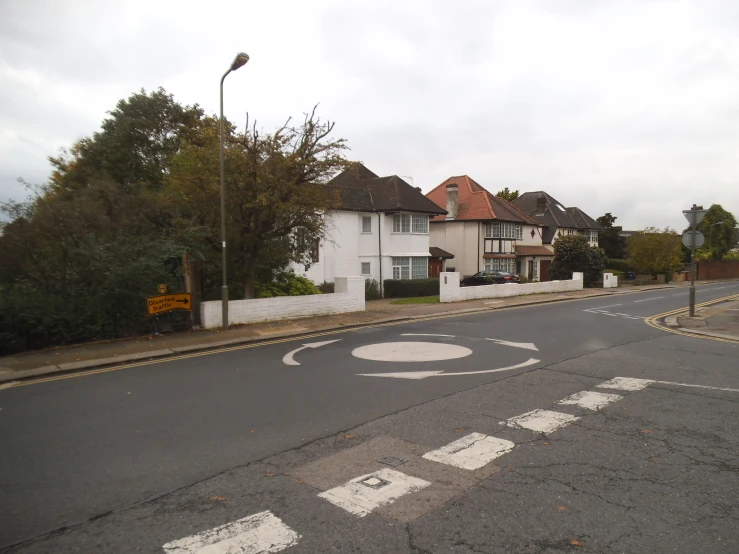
[[693, 224]]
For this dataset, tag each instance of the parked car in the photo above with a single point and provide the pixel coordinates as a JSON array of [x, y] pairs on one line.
[[489, 278]]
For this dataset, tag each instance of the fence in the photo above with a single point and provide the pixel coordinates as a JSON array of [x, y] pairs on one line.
[[348, 297], [717, 270], [451, 291]]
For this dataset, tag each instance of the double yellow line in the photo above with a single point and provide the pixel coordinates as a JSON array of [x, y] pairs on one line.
[[653, 320]]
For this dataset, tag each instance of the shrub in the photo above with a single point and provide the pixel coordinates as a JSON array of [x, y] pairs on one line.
[[616, 272], [326, 288], [406, 288], [371, 289], [522, 279], [573, 253], [286, 284], [620, 265]]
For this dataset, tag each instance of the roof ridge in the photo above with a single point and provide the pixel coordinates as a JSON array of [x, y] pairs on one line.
[[487, 201]]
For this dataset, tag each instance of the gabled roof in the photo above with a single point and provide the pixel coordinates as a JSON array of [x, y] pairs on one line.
[[476, 202], [583, 220], [363, 191], [555, 214]]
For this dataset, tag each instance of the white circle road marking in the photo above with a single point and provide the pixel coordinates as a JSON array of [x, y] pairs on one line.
[[410, 352]]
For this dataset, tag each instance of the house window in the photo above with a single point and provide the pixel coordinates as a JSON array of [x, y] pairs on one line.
[[406, 267], [501, 264], [366, 268], [570, 231], [407, 223], [401, 268], [366, 224], [503, 230], [419, 267]]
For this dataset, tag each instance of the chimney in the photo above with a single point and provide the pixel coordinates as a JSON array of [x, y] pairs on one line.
[[541, 205], [452, 202]]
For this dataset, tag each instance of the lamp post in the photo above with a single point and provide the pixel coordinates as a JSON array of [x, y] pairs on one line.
[[240, 60], [710, 245]]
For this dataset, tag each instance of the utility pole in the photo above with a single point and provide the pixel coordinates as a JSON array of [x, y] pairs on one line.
[[694, 216]]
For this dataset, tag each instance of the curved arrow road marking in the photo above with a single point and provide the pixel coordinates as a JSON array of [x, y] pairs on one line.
[[524, 345], [288, 358], [424, 374]]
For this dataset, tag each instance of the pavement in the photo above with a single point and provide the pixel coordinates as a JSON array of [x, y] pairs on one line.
[[85, 356], [553, 427], [718, 320]]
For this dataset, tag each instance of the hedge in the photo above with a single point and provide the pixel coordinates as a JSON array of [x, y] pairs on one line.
[[406, 288], [620, 265]]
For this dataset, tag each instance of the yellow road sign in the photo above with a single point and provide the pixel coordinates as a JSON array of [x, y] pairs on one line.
[[159, 304]]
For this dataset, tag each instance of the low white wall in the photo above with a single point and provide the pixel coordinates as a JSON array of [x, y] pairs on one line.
[[349, 297], [450, 291], [609, 281]]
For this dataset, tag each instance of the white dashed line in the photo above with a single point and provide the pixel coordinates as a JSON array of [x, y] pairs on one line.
[[542, 421], [625, 383], [260, 533], [471, 452], [648, 299], [590, 400], [360, 499]]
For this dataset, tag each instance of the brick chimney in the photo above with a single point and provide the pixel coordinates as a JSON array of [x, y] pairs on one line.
[[541, 205], [452, 202]]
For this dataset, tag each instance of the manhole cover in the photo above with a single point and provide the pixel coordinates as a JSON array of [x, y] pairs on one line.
[[374, 482], [392, 461]]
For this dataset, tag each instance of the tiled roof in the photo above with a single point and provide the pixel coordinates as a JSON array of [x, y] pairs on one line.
[[363, 191], [533, 251], [583, 220], [555, 214], [476, 203]]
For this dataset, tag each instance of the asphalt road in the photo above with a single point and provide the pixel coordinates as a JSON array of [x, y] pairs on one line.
[[132, 459]]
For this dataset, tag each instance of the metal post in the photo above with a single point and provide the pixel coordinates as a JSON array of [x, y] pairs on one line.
[[224, 286], [693, 226]]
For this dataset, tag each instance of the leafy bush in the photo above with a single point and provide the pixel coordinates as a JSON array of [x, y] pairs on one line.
[[522, 279], [573, 253], [406, 288], [371, 289], [616, 272], [286, 284], [620, 265], [326, 287]]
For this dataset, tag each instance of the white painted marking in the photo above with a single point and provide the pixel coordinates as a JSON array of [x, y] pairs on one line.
[[695, 386], [424, 335], [541, 421], [288, 358], [629, 315], [360, 500], [411, 352], [471, 452], [648, 299], [609, 306], [625, 383], [590, 400], [260, 533], [524, 345], [424, 374]]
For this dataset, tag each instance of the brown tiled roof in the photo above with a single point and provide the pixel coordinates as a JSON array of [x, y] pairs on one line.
[[533, 251], [476, 203], [363, 191], [439, 253]]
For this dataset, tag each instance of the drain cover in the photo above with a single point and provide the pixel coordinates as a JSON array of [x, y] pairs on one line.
[[375, 482], [392, 461]]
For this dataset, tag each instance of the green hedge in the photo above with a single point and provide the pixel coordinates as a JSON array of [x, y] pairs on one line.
[[620, 265], [406, 288]]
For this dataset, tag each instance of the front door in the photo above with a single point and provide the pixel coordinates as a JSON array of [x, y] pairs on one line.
[[434, 268], [544, 270]]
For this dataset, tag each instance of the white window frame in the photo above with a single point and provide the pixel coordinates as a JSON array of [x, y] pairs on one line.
[[419, 224], [369, 268], [367, 228], [501, 264], [410, 224], [503, 230], [401, 267], [419, 268]]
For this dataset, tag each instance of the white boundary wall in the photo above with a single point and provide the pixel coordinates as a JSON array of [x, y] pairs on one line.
[[349, 297], [450, 291], [609, 281]]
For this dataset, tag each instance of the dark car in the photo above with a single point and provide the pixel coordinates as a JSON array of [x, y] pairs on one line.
[[489, 278]]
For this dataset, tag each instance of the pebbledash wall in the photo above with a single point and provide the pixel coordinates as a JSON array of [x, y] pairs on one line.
[[450, 291], [349, 297]]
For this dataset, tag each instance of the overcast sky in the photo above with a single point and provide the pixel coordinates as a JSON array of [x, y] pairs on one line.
[[623, 107]]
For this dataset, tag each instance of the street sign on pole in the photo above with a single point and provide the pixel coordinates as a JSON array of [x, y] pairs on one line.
[[162, 303], [694, 217], [700, 238]]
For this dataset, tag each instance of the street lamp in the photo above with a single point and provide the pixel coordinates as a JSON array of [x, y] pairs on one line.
[[240, 60]]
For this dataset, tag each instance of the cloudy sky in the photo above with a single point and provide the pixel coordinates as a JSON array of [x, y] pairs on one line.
[[624, 106]]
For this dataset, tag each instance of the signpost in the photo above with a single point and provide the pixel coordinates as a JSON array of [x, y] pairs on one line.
[[694, 216], [163, 303]]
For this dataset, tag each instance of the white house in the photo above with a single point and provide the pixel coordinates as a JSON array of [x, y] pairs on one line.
[[556, 219], [379, 231], [485, 232]]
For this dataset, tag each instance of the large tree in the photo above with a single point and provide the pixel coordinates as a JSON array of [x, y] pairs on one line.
[[574, 253], [719, 228], [275, 189], [609, 239], [653, 251], [507, 194]]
